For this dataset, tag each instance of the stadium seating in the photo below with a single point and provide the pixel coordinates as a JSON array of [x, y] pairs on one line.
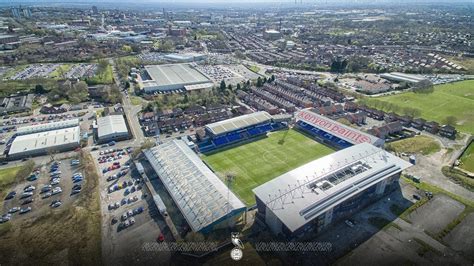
[[323, 136], [236, 136]]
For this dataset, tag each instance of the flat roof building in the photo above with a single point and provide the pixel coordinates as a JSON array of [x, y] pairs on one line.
[[42, 143], [312, 196], [402, 77], [171, 77], [112, 128], [201, 196], [47, 126]]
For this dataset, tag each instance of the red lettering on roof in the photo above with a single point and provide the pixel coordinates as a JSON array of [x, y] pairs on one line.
[[338, 130]]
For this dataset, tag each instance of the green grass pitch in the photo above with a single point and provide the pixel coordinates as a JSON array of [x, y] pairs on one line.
[[467, 159], [257, 162], [453, 99]]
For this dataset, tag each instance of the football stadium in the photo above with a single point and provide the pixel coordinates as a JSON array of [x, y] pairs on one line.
[[302, 173]]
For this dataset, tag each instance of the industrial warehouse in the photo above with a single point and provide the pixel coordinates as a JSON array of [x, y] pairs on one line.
[[172, 77], [203, 199], [111, 128], [45, 138], [311, 197]]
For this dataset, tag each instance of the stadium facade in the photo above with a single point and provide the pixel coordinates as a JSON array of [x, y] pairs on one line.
[[171, 77], [202, 198], [312, 197], [332, 133]]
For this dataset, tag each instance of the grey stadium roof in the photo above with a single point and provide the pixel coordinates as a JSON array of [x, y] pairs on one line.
[[199, 194], [238, 122], [112, 124], [45, 140], [300, 195]]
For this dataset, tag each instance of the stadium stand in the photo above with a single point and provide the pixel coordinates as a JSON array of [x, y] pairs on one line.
[[234, 130], [332, 132]]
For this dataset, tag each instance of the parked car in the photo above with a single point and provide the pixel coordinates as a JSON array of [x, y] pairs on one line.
[[29, 188], [14, 209], [46, 188], [27, 201], [56, 190], [10, 195], [25, 210], [55, 203], [26, 195], [46, 195]]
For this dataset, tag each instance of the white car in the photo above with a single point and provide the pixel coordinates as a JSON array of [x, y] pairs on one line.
[[25, 210], [132, 221], [56, 204], [14, 209], [55, 181], [56, 190], [29, 188]]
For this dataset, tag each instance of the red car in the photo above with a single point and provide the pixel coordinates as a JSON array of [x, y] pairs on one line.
[[160, 238]]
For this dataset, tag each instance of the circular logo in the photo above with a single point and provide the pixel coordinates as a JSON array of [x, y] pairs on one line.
[[236, 254]]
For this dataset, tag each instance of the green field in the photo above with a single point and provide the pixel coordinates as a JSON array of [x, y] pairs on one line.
[[467, 158], [260, 161], [453, 99]]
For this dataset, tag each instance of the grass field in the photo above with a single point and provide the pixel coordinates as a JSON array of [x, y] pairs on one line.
[[260, 161], [453, 99], [467, 158], [418, 144]]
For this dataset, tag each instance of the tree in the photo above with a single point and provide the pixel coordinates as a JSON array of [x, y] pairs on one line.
[[259, 82], [222, 86], [78, 93], [238, 86], [451, 120], [229, 87], [39, 89]]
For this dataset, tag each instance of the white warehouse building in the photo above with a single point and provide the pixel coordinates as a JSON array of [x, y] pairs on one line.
[[42, 143], [112, 128]]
